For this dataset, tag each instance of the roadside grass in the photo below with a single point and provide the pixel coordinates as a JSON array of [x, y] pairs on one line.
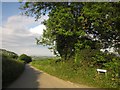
[[11, 70], [75, 72]]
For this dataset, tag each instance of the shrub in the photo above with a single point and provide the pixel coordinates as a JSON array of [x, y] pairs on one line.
[[79, 72], [86, 55], [9, 53], [97, 59], [11, 70], [25, 58]]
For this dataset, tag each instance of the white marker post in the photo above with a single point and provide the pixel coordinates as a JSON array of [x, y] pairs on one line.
[[101, 71]]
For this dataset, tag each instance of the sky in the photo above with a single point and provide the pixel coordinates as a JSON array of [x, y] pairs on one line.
[[19, 32]]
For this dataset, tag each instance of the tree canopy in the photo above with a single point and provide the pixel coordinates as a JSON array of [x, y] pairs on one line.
[[103, 20], [8, 53], [25, 58], [80, 24]]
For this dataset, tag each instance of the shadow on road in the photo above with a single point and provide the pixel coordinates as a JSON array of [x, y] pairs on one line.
[[28, 79], [34, 78]]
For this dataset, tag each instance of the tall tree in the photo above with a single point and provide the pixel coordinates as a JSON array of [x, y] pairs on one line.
[[103, 21], [63, 29], [69, 21]]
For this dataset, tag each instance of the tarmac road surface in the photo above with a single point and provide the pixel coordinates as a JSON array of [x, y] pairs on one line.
[[34, 78]]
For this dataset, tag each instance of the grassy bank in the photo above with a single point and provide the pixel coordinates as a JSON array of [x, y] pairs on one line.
[[11, 70], [75, 72]]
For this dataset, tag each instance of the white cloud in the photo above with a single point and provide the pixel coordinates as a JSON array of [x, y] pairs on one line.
[[18, 35], [40, 50], [38, 29], [0, 37], [17, 25]]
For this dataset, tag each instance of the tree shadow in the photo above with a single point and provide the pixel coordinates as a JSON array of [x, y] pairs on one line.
[[28, 79]]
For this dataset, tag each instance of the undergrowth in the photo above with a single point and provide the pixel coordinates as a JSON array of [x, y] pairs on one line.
[[76, 72]]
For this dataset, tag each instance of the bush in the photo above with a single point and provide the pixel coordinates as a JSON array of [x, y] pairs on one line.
[[96, 59], [78, 73], [25, 58], [9, 53], [11, 70], [86, 56]]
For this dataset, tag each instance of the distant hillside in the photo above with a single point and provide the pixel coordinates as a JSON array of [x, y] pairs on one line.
[[8, 53], [39, 57]]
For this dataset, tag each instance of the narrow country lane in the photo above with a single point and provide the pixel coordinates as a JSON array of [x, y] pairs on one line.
[[34, 78]]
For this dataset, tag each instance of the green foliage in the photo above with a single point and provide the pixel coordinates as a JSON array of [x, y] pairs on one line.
[[11, 70], [102, 20], [63, 26], [96, 59], [87, 43], [113, 64], [62, 30], [11, 67], [69, 21], [86, 55], [25, 58], [77, 72], [9, 53], [76, 32]]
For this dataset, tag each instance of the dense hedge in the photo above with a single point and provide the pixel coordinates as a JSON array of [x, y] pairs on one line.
[[9, 53], [25, 58], [11, 69], [81, 72], [96, 59]]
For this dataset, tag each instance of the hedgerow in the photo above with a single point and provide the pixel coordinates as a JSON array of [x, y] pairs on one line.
[[11, 70]]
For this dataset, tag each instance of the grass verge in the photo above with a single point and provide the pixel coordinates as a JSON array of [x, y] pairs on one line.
[[76, 73]]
